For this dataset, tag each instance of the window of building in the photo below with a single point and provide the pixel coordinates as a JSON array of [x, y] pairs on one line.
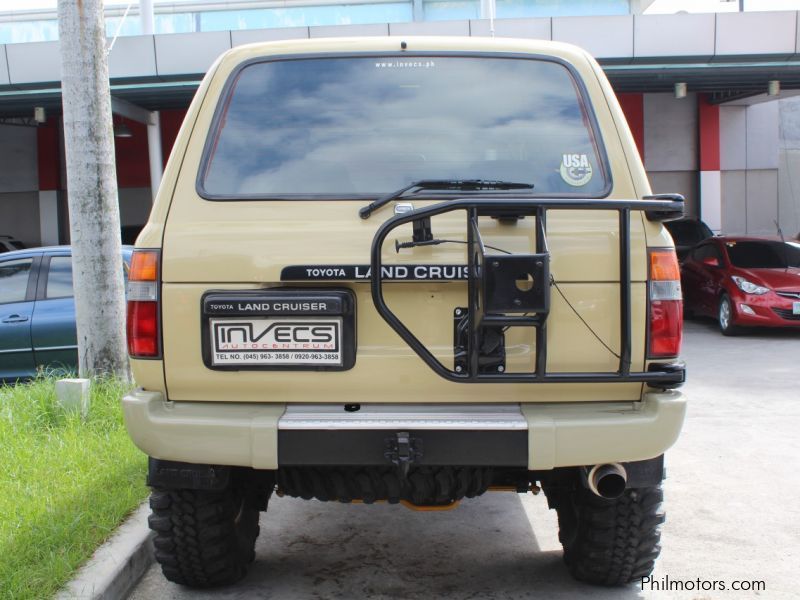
[[511, 9], [302, 16], [449, 10]]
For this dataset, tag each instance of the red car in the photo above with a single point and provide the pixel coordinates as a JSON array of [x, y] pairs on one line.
[[743, 281]]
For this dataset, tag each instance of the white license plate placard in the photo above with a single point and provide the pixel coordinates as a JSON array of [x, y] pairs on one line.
[[796, 308], [279, 341]]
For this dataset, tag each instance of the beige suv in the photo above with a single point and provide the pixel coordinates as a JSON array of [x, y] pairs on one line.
[[405, 270]]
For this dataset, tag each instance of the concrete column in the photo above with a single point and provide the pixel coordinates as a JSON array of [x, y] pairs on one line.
[[711, 199], [147, 17], [417, 10], [488, 9], [48, 217], [708, 150], [763, 141], [154, 152], [49, 158]]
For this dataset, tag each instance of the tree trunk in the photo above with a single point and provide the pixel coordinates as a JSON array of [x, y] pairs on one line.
[[92, 190]]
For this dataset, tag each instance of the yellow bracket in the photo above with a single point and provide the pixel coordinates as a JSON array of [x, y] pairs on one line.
[[430, 507]]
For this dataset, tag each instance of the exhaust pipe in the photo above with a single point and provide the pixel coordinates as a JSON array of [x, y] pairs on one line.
[[607, 481]]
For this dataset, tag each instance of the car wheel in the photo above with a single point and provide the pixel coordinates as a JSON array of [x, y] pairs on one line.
[[610, 542], [203, 538], [726, 316]]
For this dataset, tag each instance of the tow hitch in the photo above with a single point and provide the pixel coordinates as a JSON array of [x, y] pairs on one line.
[[403, 451]]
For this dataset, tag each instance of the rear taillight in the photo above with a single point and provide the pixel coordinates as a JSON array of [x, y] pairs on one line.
[[143, 324], [666, 305]]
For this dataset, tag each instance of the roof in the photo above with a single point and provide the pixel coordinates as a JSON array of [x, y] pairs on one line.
[[411, 44]]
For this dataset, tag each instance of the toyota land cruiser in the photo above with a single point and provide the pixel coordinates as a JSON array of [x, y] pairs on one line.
[[405, 270]]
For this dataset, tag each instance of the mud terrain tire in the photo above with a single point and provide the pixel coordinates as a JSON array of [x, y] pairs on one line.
[[203, 538], [610, 542], [424, 486]]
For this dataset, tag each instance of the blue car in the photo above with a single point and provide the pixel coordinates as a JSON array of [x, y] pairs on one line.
[[37, 311]]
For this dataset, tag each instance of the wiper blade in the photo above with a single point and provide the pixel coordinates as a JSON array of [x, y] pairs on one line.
[[466, 185]]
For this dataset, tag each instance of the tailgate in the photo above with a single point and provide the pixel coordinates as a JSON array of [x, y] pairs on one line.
[[254, 246]]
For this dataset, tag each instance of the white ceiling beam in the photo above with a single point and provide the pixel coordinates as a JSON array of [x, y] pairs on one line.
[[131, 111]]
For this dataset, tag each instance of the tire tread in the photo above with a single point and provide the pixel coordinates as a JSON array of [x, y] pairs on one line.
[[199, 541], [424, 486], [611, 542]]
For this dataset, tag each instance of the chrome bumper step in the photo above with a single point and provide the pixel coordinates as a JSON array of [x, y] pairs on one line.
[[416, 417]]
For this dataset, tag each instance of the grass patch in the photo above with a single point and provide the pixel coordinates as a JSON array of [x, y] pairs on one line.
[[65, 484]]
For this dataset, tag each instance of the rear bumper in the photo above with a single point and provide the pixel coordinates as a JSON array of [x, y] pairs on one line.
[[541, 436], [565, 435]]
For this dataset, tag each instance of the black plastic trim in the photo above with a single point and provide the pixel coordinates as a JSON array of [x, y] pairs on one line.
[[675, 366], [666, 214], [170, 474], [445, 447], [644, 473], [33, 277]]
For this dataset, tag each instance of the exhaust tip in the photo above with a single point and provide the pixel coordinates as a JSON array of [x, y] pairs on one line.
[[608, 481]]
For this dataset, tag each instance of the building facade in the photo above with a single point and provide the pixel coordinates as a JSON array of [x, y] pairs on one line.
[[696, 90]]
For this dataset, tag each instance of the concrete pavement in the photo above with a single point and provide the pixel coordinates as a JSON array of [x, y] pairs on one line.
[[731, 499]]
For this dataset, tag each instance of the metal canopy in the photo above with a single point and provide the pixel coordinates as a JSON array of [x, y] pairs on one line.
[[724, 80], [150, 96]]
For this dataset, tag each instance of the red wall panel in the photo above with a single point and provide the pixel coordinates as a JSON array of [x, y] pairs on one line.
[[708, 132], [171, 121], [47, 155], [633, 107], [133, 163]]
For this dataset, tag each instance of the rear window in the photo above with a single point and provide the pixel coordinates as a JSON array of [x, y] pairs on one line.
[[364, 126]]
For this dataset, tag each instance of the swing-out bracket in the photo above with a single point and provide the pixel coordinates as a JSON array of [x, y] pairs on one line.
[[498, 297]]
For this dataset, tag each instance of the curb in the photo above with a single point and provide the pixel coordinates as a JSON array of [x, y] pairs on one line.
[[117, 565]]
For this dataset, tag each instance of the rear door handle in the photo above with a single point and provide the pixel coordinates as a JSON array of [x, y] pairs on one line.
[[15, 319]]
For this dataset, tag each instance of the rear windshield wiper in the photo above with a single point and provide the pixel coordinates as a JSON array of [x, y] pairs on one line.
[[466, 185]]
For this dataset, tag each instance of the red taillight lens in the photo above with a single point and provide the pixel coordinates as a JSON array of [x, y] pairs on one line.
[[666, 327], [666, 305], [142, 326], [142, 329]]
